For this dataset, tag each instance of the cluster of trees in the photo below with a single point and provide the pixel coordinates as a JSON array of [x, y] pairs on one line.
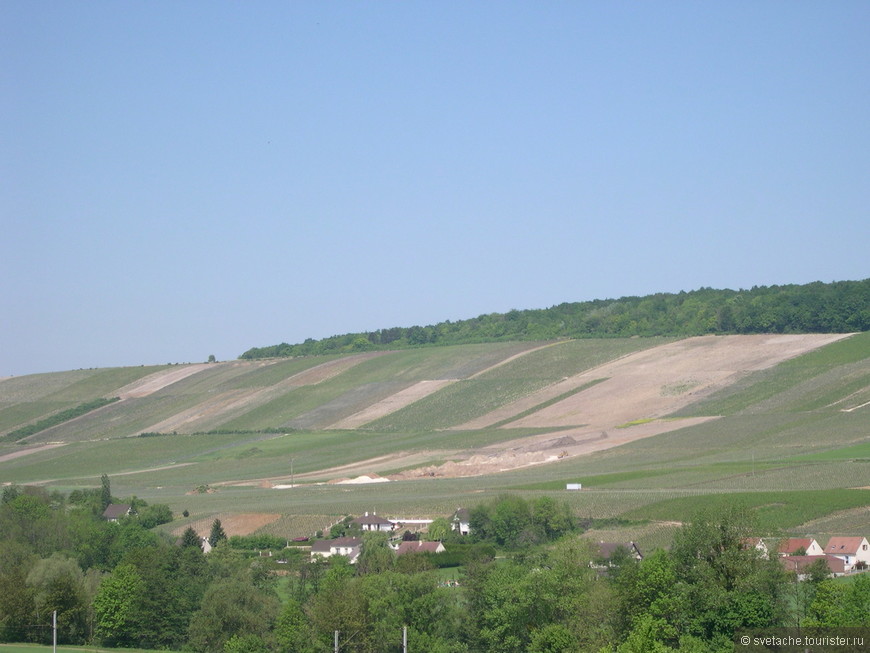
[[837, 307], [123, 585], [512, 522]]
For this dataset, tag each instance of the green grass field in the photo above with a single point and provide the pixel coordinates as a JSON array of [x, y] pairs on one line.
[[37, 648]]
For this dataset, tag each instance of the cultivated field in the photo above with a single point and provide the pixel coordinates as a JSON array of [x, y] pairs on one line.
[[653, 428]]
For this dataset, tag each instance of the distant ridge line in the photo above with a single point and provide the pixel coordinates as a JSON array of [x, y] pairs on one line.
[[836, 307]]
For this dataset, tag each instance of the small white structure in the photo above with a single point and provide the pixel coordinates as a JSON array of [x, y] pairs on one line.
[[756, 543], [461, 521], [574, 486], [374, 523], [340, 546]]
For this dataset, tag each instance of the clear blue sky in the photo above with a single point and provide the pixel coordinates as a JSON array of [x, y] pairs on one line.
[[182, 179]]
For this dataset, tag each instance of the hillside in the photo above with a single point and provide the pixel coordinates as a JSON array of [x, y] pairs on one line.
[[651, 426]]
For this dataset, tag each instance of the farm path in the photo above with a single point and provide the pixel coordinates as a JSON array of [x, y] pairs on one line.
[[27, 452]]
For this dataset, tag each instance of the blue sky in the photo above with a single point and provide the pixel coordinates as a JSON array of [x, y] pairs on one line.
[[180, 179]]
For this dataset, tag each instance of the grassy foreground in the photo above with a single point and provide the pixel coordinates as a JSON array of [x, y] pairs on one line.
[[33, 648]]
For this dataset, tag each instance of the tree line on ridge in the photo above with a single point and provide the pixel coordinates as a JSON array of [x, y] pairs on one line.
[[838, 307]]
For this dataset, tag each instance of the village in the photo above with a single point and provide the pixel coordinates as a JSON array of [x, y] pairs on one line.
[[841, 555]]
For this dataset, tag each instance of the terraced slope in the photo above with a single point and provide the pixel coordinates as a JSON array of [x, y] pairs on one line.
[[790, 436], [549, 400]]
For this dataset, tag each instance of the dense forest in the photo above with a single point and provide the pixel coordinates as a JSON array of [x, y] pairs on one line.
[[838, 307], [126, 585]]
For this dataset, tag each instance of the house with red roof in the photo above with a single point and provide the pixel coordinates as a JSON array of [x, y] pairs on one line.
[[420, 547], [805, 546], [854, 551], [800, 565]]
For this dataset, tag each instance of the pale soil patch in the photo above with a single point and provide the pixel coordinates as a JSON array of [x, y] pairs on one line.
[[324, 371], [152, 469], [370, 467], [226, 401], [849, 410], [416, 392], [514, 357], [362, 480], [655, 382], [237, 401], [237, 523], [26, 452], [153, 382], [127, 473], [544, 448], [392, 403], [646, 385]]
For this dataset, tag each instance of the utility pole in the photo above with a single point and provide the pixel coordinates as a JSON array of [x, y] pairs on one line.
[[336, 641], [54, 631], [404, 639]]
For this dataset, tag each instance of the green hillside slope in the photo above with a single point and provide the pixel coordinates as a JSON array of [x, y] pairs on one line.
[[245, 429]]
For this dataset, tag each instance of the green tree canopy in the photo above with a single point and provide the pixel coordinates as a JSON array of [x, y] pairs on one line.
[[217, 534]]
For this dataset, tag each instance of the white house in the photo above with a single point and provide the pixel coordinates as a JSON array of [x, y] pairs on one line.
[[461, 521], [854, 551], [115, 511], [340, 546], [374, 523]]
